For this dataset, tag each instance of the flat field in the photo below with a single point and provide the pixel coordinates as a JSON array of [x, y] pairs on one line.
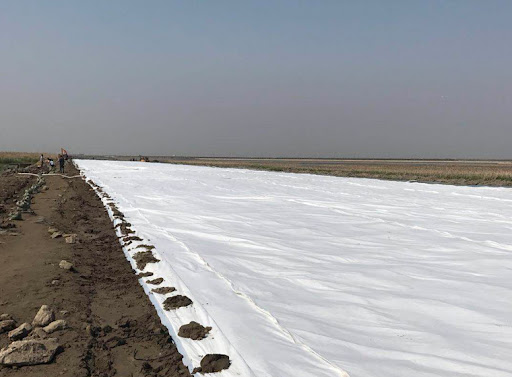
[[457, 172], [15, 158]]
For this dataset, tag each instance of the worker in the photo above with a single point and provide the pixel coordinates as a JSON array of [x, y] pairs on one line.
[[61, 163], [52, 164]]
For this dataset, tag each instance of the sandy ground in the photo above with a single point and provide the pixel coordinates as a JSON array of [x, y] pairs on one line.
[[113, 328]]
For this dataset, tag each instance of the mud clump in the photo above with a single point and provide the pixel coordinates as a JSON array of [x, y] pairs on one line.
[[155, 281], [149, 247], [175, 302], [142, 258], [213, 363], [132, 238], [194, 331], [144, 274], [163, 290], [125, 228]]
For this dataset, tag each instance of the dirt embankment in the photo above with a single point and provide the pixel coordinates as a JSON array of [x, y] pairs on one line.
[[110, 328]]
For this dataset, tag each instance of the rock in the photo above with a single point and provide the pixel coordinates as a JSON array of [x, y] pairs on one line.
[[65, 265], [20, 332], [213, 363], [7, 325], [56, 282], [52, 230], [15, 216], [64, 313], [44, 316], [56, 235], [5, 316], [40, 220], [29, 352], [38, 333], [59, 324], [71, 238]]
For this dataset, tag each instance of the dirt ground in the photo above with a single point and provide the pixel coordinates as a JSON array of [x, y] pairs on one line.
[[113, 328]]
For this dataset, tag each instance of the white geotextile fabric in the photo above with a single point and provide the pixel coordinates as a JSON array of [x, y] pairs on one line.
[[303, 275]]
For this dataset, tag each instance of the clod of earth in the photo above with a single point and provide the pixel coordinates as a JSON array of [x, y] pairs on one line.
[[59, 324], [126, 322], [144, 274], [114, 341], [194, 331], [163, 290], [7, 325], [176, 302], [20, 332], [66, 265], [117, 213], [213, 363], [132, 238], [5, 316], [155, 281], [149, 247], [142, 258], [123, 223], [29, 352], [44, 317]]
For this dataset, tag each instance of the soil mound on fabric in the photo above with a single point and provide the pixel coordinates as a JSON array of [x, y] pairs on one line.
[[156, 281], [175, 302], [194, 331], [142, 258], [213, 363], [144, 274], [163, 290]]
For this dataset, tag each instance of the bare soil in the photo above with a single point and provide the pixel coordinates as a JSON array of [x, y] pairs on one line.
[[113, 328]]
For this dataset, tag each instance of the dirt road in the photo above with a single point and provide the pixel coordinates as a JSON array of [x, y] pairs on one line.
[[113, 330]]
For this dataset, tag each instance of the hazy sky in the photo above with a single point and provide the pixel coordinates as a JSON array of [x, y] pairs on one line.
[[334, 78]]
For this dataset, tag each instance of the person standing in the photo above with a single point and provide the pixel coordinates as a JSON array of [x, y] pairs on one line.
[[52, 165], [41, 161], [61, 163]]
